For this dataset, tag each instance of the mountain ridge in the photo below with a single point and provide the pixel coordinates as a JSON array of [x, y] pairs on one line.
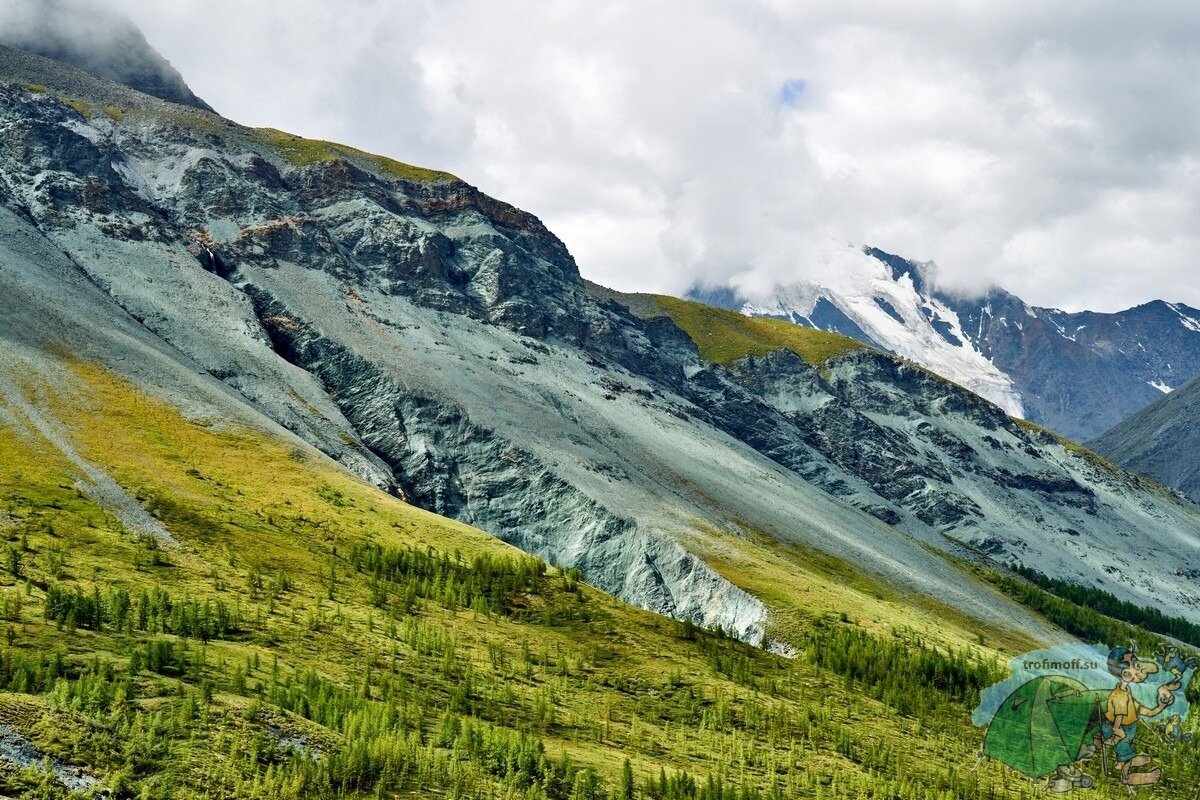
[[1160, 441], [333, 291], [1078, 373], [98, 40]]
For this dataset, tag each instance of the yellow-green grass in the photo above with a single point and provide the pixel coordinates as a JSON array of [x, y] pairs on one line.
[[85, 109], [724, 336], [802, 586], [81, 108], [300, 152], [620, 683]]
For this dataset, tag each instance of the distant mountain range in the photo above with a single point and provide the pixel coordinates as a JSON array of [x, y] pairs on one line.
[[1078, 373], [1161, 441]]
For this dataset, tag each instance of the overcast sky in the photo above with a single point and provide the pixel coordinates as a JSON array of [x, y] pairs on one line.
[[1051, 147]]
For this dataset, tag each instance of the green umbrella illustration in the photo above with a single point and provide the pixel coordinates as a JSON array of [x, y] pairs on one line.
[[1044, 724]]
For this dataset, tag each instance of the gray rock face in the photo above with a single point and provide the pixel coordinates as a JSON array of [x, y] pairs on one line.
[[835, 426], [1161, 441], [234, 259], [441, 344], [18, 751]]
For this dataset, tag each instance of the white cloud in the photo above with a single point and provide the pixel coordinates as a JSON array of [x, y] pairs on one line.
[[1049, 147]]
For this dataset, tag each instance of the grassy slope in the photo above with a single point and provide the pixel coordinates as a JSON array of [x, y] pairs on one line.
[[579, 672], [803, 587], [724, 336], [299, 152]]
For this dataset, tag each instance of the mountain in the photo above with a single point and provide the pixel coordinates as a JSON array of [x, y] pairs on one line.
[[1077, 373], [442, 345], [92, 36], [281, 422], [198, 603], [1160, 441]]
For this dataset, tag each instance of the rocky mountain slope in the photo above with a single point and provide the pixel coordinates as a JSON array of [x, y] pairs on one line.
[[226, 351], [441, 345], [426, 391], [205, 605], [1161, 441], [1077, 373]]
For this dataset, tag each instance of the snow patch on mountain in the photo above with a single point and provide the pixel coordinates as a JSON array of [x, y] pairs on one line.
[[1162, 387], [1190, 323], [1078, 373], [893, 312]]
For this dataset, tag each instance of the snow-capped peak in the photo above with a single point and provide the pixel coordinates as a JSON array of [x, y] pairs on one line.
[[887, 303]]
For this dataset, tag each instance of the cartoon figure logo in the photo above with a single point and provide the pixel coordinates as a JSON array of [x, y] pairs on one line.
[[1060, 713], [1122, 713]]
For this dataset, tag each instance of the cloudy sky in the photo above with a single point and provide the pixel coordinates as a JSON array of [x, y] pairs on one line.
[[1053, 148]]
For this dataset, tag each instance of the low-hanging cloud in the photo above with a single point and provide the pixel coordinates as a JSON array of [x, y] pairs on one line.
[[1051, 148], [92, 35]]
